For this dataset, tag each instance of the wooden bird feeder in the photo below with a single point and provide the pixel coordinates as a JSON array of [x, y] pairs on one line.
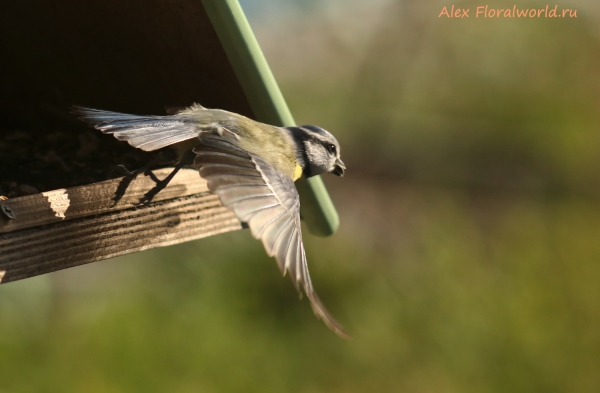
[[60, 204]]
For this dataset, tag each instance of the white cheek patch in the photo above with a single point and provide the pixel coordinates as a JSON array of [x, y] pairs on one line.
[[312, 150], [317, 157]]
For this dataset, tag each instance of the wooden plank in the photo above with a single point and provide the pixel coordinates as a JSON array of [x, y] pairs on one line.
[[65, 204], [95, 228]]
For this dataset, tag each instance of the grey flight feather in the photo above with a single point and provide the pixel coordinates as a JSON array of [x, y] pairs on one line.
[[148, 133], [267, 200]]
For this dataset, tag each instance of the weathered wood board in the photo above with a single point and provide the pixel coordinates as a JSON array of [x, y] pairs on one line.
[[70, 227]]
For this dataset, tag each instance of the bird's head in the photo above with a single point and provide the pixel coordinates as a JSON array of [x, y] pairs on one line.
[[317, 151]]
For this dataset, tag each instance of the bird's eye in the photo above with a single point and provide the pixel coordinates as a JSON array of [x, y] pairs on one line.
[[331, 148]]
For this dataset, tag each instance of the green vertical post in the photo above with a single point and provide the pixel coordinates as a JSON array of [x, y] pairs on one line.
[[267, 102]]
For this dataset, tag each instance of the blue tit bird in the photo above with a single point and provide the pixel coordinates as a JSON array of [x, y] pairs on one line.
[[250, 165]]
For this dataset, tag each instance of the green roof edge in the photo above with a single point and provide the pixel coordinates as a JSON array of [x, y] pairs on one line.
[[267, 102]]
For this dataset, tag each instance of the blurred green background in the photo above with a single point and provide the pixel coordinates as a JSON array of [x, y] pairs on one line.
[[468, 257]]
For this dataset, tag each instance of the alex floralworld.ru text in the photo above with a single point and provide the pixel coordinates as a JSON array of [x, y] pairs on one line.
[[484, 11]]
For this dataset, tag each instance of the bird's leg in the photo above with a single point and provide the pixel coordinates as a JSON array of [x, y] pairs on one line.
[[129, 176], [126, 172], [187, 159]]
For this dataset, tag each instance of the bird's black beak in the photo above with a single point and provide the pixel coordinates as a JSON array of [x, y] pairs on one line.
[[339, 169]]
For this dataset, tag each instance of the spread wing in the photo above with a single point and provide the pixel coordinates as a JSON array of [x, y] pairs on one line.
[[148, 133], [268, 202]]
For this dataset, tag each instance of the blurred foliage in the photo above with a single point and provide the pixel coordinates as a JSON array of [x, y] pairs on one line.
[[468, 256]]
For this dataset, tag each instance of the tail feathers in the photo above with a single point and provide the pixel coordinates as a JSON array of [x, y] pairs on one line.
[[144, 132]]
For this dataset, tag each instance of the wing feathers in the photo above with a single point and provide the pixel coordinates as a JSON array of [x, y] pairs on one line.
[[235, 181], [246, 208], [243, 197], [270, 232], [260, 222], [229, 170], [268, 201], [282, 243], [214, 157], [290, 257], [221, 145], [299, 262], [234, 194], [145, 132]]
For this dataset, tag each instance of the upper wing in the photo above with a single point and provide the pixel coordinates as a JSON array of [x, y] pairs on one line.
[[267, 200], [148, 133]]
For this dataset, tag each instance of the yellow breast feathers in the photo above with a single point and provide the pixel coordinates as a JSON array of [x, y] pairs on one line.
[[297, 172]]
